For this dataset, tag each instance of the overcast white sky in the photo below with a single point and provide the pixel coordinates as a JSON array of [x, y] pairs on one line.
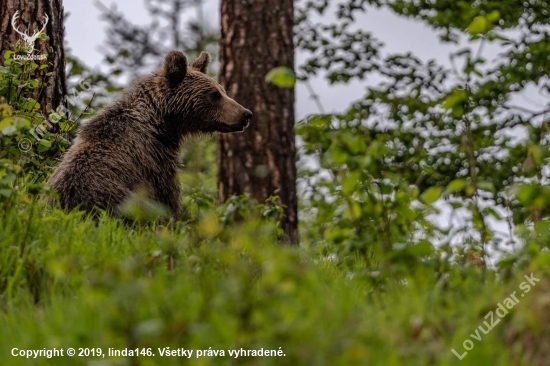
[[86, 32]]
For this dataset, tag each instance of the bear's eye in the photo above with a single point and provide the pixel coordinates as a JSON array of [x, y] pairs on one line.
[[216, 96]]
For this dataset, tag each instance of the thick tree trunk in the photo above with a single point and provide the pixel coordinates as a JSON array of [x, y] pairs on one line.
[[257, 35], [30, 19]]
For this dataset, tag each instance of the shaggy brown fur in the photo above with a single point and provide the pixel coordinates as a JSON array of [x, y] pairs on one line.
[[134, 144]]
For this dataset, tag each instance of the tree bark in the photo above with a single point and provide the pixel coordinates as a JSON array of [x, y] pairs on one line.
[[31, 18], [256, 36]]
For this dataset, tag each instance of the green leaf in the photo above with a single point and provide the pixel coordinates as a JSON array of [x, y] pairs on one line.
[[350, 183], [5, 123], [456, 185], [77, 69], [7, 55], [527, 194], [8, 179], [458, 111], [21, 122], [44, 145], [338, 155], [321, 121], [493, 16], [422, 249], [431, 195], [537, 154], [455, 99], [281, 76], [490, 211], [30, 104], [355, 144], [486, 186], [354, 209], [479, 25]]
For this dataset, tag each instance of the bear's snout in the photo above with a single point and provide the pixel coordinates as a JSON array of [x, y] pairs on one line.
[[247, 115]]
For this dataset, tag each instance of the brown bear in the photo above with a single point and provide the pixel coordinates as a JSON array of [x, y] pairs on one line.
[[134, 144]]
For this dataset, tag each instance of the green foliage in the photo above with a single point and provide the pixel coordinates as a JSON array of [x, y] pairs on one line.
[[67, 281], [427, 136], [28, 138], [199, 165], [281, 76]]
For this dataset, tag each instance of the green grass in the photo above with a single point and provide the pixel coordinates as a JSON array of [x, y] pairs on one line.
[[78, 283]]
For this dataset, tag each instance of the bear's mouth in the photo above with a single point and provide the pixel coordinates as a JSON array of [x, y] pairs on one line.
[[237, 127], [245, 122]]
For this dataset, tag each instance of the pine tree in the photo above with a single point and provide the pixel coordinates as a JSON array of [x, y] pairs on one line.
[[257, 36]]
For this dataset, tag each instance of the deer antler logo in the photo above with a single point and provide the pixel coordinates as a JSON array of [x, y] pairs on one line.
[[29, 40]]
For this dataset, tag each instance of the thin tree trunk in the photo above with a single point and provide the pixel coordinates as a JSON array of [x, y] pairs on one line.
[[31, 18], [257, 35]]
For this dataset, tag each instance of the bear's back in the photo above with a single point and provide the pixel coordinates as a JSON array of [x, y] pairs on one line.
[[114, 155]]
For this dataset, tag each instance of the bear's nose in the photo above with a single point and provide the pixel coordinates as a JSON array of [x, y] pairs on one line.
[[247, 114]]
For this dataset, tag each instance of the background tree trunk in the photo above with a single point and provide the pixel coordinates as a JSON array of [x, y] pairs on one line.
[[31, 17], [257, 36]]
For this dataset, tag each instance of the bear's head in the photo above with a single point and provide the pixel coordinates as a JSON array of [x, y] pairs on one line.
[[198, 101]]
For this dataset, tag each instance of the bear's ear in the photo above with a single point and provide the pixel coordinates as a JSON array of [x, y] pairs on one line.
[[175, 66], [202, 62]]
